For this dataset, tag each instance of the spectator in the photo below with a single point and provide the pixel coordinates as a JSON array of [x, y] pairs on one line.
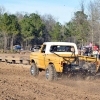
[[95, 50], [85, 52], [90, 45], [99, 54]]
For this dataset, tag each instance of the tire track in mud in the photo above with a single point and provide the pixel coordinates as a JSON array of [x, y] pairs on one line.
[[16, 83]]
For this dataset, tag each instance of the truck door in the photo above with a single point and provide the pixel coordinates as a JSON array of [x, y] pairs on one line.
[[42, 57]]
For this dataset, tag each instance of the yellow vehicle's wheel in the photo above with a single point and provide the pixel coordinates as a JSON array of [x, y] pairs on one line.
[[34, 70], [51, 73]]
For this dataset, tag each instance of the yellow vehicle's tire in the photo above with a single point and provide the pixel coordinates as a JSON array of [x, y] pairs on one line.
[[51, 73], [34, 70]]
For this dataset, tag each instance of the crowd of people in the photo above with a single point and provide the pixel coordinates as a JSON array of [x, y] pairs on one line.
[[90, 50]]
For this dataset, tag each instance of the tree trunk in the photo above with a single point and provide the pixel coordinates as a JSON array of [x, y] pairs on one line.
[[11, 45], [5, 42]]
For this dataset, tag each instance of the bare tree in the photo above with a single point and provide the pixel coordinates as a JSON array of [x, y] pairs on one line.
[[2, 10], [49, 22], [94, 19], [19, 15]]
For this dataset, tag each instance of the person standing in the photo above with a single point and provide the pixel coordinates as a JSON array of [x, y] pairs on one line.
[[99, 54], [95, 51], [90, 45]]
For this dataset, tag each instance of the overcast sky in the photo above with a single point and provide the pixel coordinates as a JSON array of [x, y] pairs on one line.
[[62, 10]]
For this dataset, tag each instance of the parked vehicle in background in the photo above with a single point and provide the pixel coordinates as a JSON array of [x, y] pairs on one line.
[[17, 48], [35, 48]]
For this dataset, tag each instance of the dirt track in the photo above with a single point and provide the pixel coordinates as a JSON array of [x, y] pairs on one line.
[[16, 83]]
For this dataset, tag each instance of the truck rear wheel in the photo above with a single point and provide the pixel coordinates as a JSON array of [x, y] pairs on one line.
[[51, 73], [34, 70]]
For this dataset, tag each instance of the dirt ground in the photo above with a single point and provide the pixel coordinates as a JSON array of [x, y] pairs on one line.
[[16, 83]]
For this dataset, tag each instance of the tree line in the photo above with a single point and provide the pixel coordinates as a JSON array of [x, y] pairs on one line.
[[32, 29]]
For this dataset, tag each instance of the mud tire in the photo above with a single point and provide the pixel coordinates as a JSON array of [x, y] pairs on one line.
[[51, 73], [34, 70]]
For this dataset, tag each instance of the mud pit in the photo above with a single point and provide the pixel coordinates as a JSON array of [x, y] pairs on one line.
[[16, 83]]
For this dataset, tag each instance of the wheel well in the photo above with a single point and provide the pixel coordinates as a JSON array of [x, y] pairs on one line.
[[40, 69], [32, 61], [51, 63]]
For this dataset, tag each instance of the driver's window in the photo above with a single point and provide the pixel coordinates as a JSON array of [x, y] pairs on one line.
[[53, 48], [43, 49]]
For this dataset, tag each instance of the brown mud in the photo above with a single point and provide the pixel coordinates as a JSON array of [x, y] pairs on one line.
[[16, 83]]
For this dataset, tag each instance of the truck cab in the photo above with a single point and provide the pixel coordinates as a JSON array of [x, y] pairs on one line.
[[58, 55], [49, 51]]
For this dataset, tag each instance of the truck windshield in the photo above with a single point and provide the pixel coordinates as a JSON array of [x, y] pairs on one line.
[[61, 48]]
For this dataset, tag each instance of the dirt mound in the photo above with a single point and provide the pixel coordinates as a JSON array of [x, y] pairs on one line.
[[16, 83]]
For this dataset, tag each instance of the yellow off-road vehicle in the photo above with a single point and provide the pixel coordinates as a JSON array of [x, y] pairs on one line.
[[57, 58]]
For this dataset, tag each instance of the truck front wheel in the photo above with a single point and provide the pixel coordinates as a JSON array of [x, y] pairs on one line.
[[34, 70], [51, 73]]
